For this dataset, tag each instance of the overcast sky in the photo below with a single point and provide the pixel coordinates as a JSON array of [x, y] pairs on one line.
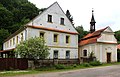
[[106, 12]]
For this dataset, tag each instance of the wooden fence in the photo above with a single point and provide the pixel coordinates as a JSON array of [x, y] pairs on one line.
[[13, 63]]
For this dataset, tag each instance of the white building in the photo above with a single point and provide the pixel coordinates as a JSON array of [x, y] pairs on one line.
[[101, 42], [58, 32]]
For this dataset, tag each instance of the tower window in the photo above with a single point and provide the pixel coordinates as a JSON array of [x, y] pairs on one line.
[[62, 21], [49, 18]]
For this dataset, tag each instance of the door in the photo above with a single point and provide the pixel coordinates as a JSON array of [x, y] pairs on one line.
[[108, 57]]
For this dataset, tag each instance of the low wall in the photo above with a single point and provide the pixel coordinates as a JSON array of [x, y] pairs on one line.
[[50, 62]]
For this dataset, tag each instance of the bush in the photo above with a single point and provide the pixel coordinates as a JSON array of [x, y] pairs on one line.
[[86, 64], [95, 63], [60, 66]]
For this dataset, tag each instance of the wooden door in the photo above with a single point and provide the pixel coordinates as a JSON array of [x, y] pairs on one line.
[[108, 57]]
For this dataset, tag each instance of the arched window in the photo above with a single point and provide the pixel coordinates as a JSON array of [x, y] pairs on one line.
[[85, 52]]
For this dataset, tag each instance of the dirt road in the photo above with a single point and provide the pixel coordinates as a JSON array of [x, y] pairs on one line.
[[107, 71]]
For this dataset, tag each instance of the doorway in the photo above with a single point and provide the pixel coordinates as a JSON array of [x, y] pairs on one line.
[[108, 57]]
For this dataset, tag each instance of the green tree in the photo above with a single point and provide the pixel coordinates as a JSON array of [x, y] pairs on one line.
[[81, 32], [117, 35], [70, 17], [12, 13], [3, 35], [6, 18], [32, 48]]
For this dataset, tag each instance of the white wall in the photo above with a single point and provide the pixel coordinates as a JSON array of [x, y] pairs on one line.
[[101, 50], [62, 53], [56, 13], [61, 45], [5, 47]]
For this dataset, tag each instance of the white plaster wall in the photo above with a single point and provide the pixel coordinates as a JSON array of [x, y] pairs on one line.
[[107, 37], [49, 37], [13, 46], [61, 45], [107, 48], [62, 53], [57, 13], [100, 50]]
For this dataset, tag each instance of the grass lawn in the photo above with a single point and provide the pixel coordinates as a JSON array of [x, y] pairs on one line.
[[52, 69]]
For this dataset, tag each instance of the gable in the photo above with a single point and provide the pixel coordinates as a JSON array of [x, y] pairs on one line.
[[57, 13], [108, 29], [107, 36]]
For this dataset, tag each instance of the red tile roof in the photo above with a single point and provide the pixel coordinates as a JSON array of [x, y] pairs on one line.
[[91, 37], [118, 46], [52, 29]]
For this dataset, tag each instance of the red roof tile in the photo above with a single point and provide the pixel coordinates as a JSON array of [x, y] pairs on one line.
[[118, 46], [52, 29], [91, 37]]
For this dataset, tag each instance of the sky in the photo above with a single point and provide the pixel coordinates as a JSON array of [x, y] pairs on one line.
[[106, 12]]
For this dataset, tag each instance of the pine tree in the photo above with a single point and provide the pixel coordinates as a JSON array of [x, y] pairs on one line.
[[70, 17]]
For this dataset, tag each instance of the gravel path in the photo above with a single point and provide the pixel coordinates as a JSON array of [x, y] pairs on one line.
[[107, 71]]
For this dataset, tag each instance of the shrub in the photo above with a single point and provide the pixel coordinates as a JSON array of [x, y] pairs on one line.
[[60, 66], [86, 64], [95, 63]]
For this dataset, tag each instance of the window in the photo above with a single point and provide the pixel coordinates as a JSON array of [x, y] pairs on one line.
[[67, 54], [55, 37], [55, 54], [21, 36], [67, 39], [10, 42], [17, 39], [62, 21], [84, 52], [49, 18], [42, 34], [13, 41]]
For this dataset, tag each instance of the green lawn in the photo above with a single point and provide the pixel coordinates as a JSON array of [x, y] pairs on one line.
[[52, 69]]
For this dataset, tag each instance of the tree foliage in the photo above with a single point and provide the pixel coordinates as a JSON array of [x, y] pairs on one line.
[[33, 48], [70, 17], [81, 32], [117, 35], [14, 14], [3, 34]]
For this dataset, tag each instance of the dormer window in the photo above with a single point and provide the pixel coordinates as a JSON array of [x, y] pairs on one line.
[[61, 21], [49, 18]]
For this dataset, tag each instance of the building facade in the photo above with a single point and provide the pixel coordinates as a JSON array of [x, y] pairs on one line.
[[53, 25], [101, 42]]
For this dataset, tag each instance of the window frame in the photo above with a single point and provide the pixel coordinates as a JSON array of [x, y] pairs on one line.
[[49, 19], [68, 56], [55, 39], [67, 39], [13, 41], [85, 53], [22, 38], [62, 21], [55, 54], [43, 36]]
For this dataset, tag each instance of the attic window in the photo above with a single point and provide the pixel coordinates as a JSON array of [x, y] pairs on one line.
[[49, 18], [62, 21]]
